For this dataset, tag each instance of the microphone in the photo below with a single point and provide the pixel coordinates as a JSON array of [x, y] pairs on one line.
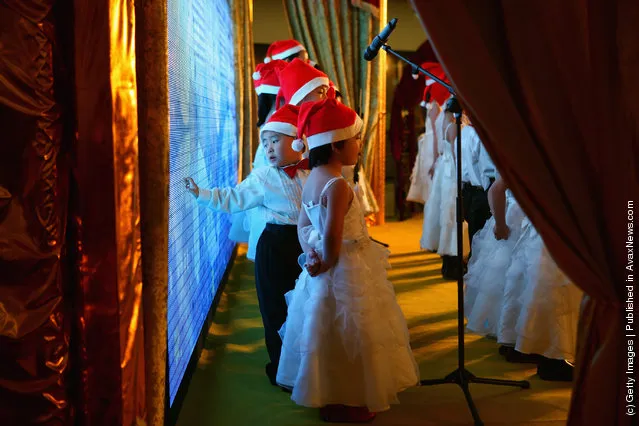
[[379, 40]]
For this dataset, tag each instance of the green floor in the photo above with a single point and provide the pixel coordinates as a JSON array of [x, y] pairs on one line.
[[230, 388]]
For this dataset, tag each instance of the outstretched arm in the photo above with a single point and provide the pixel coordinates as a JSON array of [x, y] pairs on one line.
[[497, 202], [247, 195]]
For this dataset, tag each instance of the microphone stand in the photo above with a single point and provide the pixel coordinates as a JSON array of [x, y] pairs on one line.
[[461, 376]]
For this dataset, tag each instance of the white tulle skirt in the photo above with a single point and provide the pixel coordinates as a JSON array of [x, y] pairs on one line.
[[420, 180], [550, 306], [345, 340], [439, 232]]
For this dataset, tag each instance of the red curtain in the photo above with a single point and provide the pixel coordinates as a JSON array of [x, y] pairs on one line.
[[553, 91]]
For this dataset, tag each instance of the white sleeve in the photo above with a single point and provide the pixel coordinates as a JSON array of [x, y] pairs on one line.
[[487, 167], [476, 147], [247, 195]]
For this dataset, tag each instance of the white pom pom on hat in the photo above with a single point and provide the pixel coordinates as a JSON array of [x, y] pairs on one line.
[[267, 60], [298, 145], [265, 77]]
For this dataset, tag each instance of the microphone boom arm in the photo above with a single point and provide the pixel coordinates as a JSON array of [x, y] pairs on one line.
[[416, 67]]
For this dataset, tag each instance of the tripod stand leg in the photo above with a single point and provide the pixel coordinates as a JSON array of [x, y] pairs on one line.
[[517, 383], [471, 404], [435, 382]]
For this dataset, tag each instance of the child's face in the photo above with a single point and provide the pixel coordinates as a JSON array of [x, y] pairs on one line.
[[350, 152], [318, 94], [278, 149]]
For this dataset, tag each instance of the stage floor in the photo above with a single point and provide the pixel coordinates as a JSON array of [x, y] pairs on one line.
[[230, 387]]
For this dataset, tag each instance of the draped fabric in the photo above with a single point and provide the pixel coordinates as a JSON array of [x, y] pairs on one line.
[[372, 6], [244, 67], [553, 92], [153, 131], [34, 168], [335, 34], [105, 216]]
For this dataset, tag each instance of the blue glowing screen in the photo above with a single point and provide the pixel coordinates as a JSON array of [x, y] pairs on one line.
[[203, 145]]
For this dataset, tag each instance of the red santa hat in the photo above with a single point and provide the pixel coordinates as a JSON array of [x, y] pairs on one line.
[[265, 78], [299, 79], [283, 121], [326, 122], [438, 93], [282, 49]]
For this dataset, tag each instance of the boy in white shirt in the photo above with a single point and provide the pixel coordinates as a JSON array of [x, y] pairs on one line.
[[275, 192], [478, 173]]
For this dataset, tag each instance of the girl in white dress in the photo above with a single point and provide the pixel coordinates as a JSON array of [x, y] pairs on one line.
[[440, 226], [421, 179], [339, 352], [486, 277], [540, 308]]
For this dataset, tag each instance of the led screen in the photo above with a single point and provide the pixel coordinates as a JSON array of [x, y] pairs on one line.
[[203, 144]]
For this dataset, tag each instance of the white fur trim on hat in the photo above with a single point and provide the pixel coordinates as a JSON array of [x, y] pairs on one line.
[[308, 88], [298, 145], [279, 127], [288, 52], [267, 60], [266, 88], [336, 135]]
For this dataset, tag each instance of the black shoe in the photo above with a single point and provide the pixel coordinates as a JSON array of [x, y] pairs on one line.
[[453, 273], [555, 370], [503, 350], [271, 373], [515, 356], [445, 265]]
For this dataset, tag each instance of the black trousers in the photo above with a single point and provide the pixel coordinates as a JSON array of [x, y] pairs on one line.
[[476, 209], [276, 270]]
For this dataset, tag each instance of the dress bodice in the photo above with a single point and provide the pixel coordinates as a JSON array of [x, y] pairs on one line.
[[354, 223]]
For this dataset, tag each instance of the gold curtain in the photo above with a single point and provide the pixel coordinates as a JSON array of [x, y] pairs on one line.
[[244, 66], [106, 216], [153, 121], [335, 34]]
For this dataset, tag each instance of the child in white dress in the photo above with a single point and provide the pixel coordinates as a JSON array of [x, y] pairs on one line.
[[421, 180], [540, 305], [345, 345], [440, 226], [486, 277]]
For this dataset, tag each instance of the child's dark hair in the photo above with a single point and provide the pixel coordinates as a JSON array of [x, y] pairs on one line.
[[265, 102], [321, 155], [298, 55], [356, 172]]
